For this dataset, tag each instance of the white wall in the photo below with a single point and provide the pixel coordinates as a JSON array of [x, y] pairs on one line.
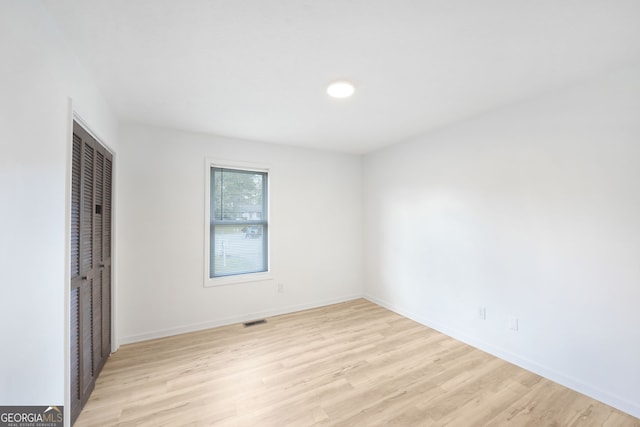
[[38, 77], [533, 212], [316, 232]]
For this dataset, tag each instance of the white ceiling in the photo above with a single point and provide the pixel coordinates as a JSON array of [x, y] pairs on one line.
[[257, 69]]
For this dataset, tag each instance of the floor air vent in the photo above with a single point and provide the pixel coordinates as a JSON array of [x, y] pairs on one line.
[[254, 322]]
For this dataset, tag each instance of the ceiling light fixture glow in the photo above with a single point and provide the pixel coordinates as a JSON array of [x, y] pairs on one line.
[[340, 89]]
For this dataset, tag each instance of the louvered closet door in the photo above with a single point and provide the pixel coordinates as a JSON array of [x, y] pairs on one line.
[[90, 300], [106, 258], [76, 278]]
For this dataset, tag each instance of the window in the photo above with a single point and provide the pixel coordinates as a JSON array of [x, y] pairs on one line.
[[238, 222]]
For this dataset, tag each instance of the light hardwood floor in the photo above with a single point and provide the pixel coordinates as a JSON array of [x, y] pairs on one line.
[[349, 364]]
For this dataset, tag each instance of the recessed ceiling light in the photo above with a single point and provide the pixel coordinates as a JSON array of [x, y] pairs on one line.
[[340, 89]]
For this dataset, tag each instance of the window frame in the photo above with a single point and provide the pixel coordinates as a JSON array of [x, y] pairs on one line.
[[242, 277]]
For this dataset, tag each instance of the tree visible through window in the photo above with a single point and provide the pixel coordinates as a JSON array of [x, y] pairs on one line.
[[239, 223]]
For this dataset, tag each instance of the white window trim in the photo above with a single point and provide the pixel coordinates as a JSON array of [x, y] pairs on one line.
[[237, 278]]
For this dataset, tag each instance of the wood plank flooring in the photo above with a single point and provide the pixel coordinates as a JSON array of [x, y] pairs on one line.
[[349, 364]]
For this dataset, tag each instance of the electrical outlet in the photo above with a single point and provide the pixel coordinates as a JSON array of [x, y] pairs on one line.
[[482, 313], [513, 324], [280, 288]]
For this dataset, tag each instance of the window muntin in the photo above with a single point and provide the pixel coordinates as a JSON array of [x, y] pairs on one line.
[[238, 222]]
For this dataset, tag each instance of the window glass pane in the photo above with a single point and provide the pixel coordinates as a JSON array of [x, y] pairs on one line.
[[238, 195], [238, 239], [238, 249]]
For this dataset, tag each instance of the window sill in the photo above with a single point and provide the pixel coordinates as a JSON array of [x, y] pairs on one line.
[[237, 279]]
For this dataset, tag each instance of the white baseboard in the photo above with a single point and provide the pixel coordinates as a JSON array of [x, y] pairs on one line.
[[572, 383], [161, 333]]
